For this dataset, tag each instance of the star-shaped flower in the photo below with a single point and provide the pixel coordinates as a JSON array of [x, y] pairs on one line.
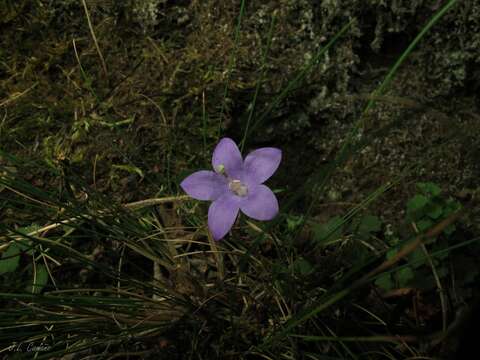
[[235, 185]]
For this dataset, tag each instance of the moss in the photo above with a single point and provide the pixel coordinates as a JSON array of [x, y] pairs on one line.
[[168, 64]]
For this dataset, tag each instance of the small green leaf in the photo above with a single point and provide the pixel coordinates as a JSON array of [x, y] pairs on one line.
[[303, 267], [10, 259], [415, 206], [293, 222], [384, 282], [429, 188], [404, 275], [424, 224], [434, 210], [332, 230], [369, 224]]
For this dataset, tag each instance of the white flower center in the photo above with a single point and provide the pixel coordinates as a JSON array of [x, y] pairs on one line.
[[238, 188]]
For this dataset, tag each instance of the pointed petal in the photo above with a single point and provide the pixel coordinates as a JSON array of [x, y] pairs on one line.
[[260, 204], [222, 214], [227, 154], [204, 185], [262, 163]]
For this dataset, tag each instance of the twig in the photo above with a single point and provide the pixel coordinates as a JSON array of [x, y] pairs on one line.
[[441, 292]]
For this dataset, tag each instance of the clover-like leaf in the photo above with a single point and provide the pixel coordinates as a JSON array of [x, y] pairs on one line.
[[415, 206], [429, 188], [385, 282], [330, 231], [404, 276], [434, 210], [369, 224]]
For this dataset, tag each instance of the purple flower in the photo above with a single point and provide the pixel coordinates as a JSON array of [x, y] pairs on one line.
[[235, 185]]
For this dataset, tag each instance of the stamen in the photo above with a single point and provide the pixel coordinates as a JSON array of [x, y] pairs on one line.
[[238, 188]]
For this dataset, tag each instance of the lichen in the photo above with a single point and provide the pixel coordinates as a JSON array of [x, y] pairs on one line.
[[147, 12]]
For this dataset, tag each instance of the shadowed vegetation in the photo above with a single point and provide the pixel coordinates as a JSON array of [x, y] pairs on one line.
[[105, 107]]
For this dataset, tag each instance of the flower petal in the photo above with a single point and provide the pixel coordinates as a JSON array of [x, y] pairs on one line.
[[204, 185], [260, 204], [222, 214], [227, 154], [262, 163]]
